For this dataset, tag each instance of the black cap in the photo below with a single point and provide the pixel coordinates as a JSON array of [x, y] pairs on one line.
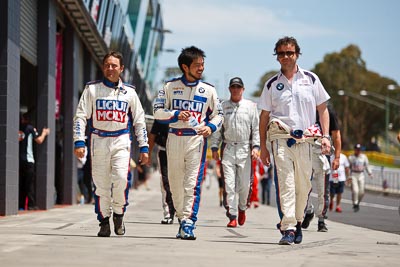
[[357, 146], [236, 81]]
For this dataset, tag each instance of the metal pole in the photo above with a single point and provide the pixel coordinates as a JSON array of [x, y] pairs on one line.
[[387, 123]]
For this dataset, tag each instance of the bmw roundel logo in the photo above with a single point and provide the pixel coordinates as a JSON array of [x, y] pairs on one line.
[[201, 90], [280, 86]]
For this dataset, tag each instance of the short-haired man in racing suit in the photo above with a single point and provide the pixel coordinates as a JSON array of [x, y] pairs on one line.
[[240, 146], [112, 107], [193, 111]]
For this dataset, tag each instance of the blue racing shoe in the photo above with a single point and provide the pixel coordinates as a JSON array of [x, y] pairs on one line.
[[287, 238], [186, 231], [178, 235]]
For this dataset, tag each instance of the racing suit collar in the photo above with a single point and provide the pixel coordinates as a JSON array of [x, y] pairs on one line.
[[111, 84], [187, 83]]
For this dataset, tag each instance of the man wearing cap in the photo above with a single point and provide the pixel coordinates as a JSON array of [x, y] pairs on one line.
[[239, 141], [358, 164]]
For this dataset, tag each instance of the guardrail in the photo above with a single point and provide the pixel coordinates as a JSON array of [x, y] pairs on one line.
[[386, 180]]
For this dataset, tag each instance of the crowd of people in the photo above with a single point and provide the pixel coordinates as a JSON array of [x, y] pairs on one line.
[[289, 140]]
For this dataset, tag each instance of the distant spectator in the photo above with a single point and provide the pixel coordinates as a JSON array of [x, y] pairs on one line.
[[337, 181], [358, 164], [373, 145], [27, 134]]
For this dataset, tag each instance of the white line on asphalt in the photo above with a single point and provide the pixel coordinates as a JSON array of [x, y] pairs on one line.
[[12, 249], [365, 204]]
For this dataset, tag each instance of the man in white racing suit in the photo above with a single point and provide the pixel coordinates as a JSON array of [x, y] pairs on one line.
[[289, 102], [193, 111], [112, 108], [240, 145], [358, 165], [322, 167]]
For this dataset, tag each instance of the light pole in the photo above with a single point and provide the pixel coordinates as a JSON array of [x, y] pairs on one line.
[[347, 94], [388, 101]]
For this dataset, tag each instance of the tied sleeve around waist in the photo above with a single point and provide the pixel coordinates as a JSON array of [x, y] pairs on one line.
[[277, 129]]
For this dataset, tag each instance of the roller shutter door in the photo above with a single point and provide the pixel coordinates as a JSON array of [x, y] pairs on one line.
[[28, 20]]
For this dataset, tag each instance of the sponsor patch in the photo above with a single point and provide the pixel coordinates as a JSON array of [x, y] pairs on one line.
[[200, 98], [201, 90], [111, 110], [280, 86], [189, 105], [159, 101], [158, 106], [178, 92]]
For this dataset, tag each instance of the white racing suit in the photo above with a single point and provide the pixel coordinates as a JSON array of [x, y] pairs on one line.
[[358, 164], [112, 110], [239, 135], [321, 169], [293, 168], [186, 151]]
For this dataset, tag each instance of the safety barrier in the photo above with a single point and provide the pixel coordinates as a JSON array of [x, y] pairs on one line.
[[386, 180]]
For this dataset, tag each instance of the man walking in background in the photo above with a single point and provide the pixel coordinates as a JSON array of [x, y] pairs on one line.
[[158, 135], [358, 164], [28, 134], [240, 145], [322, 166]]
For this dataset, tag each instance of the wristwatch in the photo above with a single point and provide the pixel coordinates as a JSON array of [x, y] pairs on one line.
[[327, 137]]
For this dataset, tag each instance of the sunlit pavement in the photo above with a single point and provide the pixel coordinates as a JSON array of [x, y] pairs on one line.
[[67, 236]]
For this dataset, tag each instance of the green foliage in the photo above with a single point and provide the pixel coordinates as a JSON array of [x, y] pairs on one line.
[[347, 71], [172, 72], [262, 81]]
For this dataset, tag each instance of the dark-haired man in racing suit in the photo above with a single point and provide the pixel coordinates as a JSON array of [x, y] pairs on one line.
[[113, 107], [193, 111]]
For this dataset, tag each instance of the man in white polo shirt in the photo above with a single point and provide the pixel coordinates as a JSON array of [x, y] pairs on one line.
[[289, 102]]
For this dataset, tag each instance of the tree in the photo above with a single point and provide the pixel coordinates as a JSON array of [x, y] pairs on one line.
[[262, 81], [347, 71], [172, 72]]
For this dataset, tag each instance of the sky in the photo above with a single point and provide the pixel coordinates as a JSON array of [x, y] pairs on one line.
[[238, 36]]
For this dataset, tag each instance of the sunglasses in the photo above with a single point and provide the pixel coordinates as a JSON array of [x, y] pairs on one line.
[[285, 53]]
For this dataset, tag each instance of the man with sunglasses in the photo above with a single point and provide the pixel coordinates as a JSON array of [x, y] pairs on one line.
[[289, 102], [240, 145]]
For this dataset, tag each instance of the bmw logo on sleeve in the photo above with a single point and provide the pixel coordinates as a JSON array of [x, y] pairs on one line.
[[280, 86]]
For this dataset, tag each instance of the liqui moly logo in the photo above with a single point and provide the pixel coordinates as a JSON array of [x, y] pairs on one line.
[[111, 110], [189, 105]]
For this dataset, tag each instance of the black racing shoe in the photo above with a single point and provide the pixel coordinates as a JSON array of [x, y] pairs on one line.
[[278, 226], [119, 227], [167, 220], [356, 207], [298, 235], [104, 228], [307, 220], [322, 227]]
